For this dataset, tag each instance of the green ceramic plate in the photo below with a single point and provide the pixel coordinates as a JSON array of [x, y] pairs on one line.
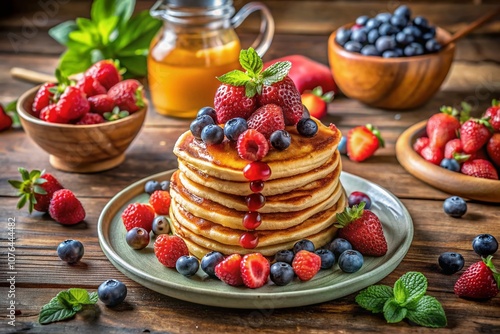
[[143, 267]]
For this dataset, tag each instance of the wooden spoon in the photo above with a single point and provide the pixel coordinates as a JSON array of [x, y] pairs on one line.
[[471, 26]]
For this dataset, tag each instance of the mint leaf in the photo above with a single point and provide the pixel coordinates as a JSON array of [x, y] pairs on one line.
[[415, 285], [251, 62], [400, 292], [393, 312], [79, 296], [93, 297], [276, 72], [374, 297], [66, 304], [103, 9], [135, 36], [428, 313], [53, 312], [235, 78], [61, 31]]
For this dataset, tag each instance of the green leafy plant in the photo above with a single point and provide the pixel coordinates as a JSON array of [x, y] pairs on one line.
[[11, 110], [110, 33], [66, 304], [406, 300]]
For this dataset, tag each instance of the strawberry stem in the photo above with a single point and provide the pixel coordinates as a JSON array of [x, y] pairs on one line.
[[350, 214]]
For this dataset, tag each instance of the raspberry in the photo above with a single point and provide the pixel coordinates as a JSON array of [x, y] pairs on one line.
[[90, 118], [168, 248], [306, 264], [160, 201], [65, 208], [138, 215], [267, 119], [252, 145], [229, 270], [255, 270]]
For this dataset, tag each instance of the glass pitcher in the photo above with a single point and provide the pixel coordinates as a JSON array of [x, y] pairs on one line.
[[196, 44]]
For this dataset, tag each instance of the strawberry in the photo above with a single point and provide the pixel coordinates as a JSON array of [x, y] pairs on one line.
[[72, 104], [65, 208], [50, 114], [306, 264], [5, 120], [105, 72], [90, 86], [160, 201], [442, 127], [138, 215], [474, 133], [230, 102], [362, 228], [168, 248], [255, 269], [316, 102], [493, 149], [267, 119], [36, 188], [285, 94], [479, 281], [479, 168], [362, 142], [90, 119], [128, 95], [43, 98], [432, 154], [101, 103], [252, 145], [420, 143], [229, 270], [493, 113], [452, 147]]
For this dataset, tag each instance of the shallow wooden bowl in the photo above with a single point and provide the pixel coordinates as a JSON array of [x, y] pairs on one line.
[[80, 148], [451, 182], [390, 83]]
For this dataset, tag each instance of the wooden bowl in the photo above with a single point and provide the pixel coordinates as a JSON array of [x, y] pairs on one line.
[[451, 182], [80, 148], [390, 83]]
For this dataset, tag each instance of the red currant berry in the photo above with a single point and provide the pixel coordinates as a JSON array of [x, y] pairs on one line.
[[255, 201], [252, 220], [249, 240], [257, 186], [257, 170]]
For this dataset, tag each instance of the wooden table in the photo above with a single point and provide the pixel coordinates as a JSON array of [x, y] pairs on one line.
[[41, 274]]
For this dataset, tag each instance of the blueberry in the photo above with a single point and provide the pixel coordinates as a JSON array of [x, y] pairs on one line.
[[165, 185], [112, 292], [450, 164], [187, 265], [359, 35], [235, 127], [485, 244], [399, 21], [307, 127], [387, 29], [403, 11], [385, 43], [207, 111], [305, 112], [280, 139], [281, 273], [390, 54], [327, 258], [357, 197], [338, 246], [137, 238], [403, 38], [284, 255], [432, 45], [343, 35], [303, 244], [352, 46], [429, 34], [383, 17], [413, 31], [373, 35], [372, 23], [399, 52], [209, 261], [420, 22], [151, 186], [369, 50], [414, 49], [212, 134], [70, 251], [350, 261], [451, 262], [342, 145], [362, 20], [455, 206], [161, 225], [199, 123]]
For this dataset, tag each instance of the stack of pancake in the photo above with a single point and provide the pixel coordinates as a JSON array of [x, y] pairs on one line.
[[303, 194]]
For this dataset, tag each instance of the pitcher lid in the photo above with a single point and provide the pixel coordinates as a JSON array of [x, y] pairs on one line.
[[197, 3]]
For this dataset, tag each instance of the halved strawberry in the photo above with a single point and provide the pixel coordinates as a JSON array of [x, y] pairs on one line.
[[362, 142], [316, 102], [255, 270], [267, 119], [229, 270]]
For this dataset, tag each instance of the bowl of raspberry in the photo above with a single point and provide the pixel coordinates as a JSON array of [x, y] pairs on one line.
[[392, 61], [86, 125]]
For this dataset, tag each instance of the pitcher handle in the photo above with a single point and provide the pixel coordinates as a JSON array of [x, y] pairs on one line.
[[266, 34]]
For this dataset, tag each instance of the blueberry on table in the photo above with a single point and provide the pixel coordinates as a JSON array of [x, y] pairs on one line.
[[327, 258], [455, 206], [281, 273], [284, 255], [137, 238], [151, 186], [338, 246], [350, 261], [451, 262], [485, 244], [187, 265], [112, 292], [70, 251], [209, 261], [303, 244]]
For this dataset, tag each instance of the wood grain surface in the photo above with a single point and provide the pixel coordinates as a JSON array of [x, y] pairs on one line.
[[303, 27]]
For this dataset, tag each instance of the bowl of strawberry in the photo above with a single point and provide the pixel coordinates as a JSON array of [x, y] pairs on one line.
[[455, 152], [85, 125]]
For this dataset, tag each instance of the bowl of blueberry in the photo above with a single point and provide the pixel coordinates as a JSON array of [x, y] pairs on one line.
[[392, 61]]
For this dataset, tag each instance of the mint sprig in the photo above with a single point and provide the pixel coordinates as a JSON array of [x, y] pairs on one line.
[[406, 300], [66, 304]]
